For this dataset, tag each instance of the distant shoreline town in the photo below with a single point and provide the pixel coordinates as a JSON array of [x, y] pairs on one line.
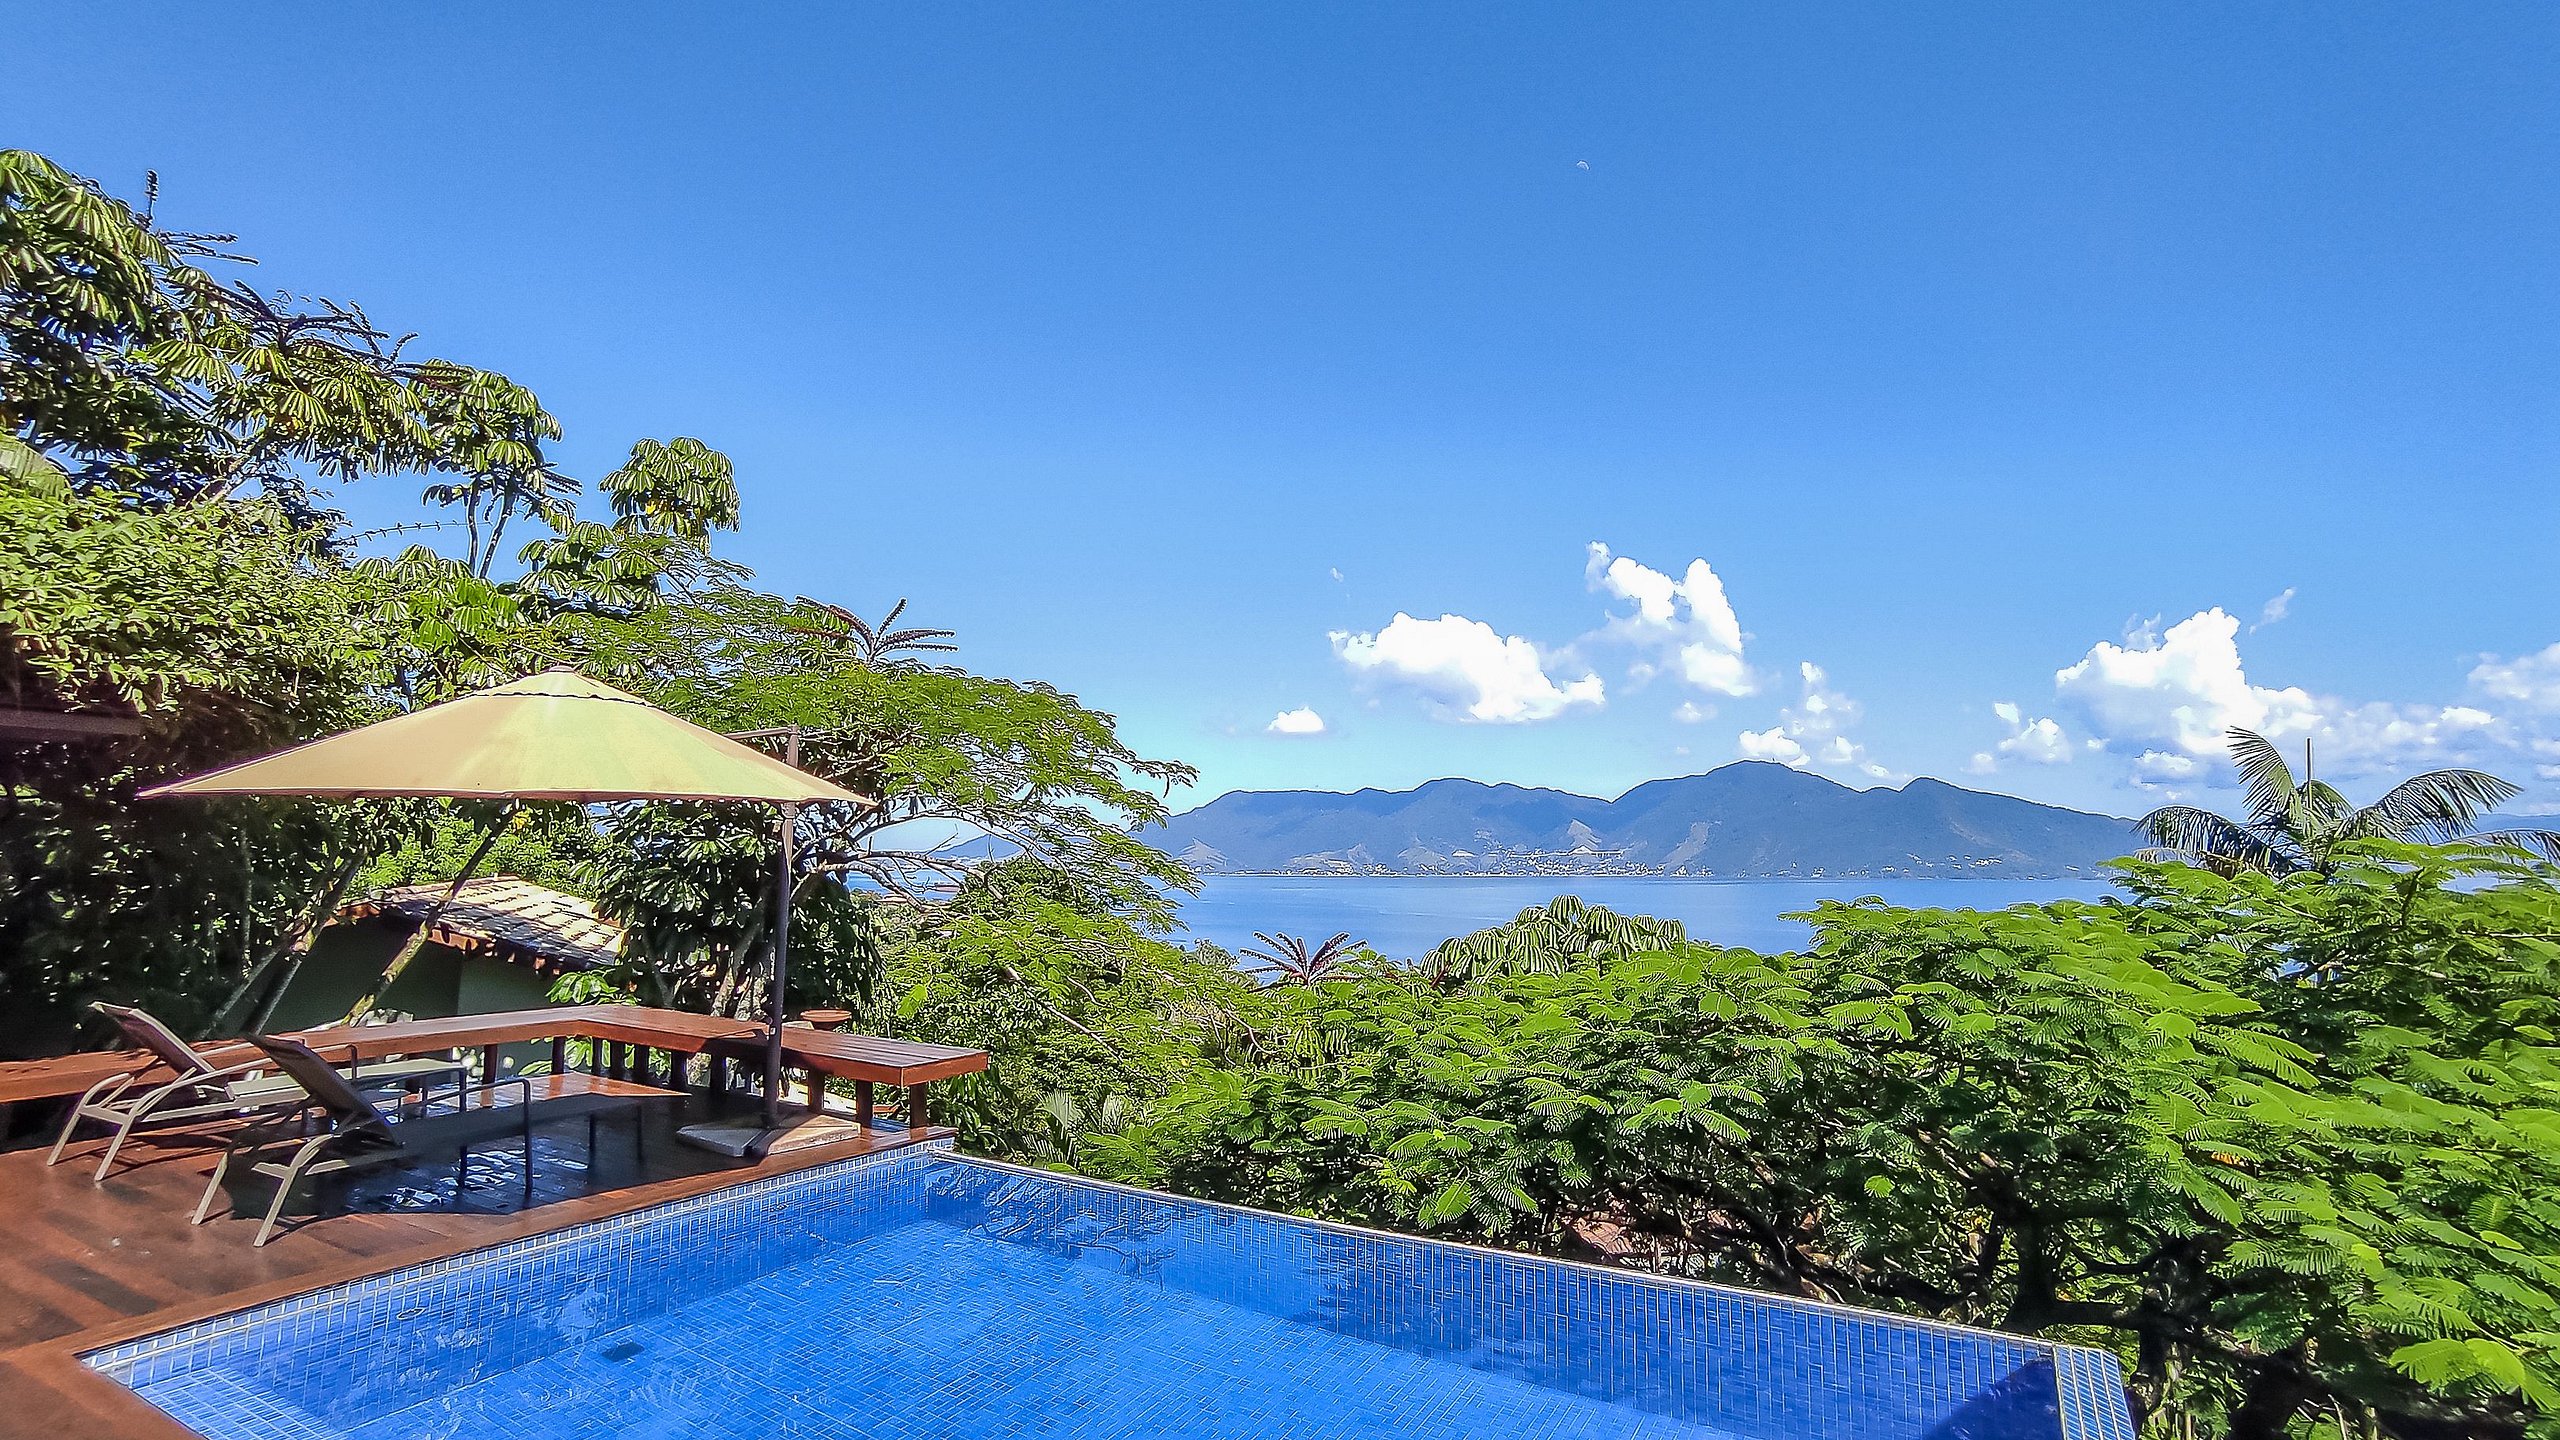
[[1954, 868]]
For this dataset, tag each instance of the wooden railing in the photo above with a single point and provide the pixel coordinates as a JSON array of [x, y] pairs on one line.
[[624, 1039]]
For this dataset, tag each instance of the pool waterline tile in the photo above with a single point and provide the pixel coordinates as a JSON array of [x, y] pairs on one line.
[[927, 1294]]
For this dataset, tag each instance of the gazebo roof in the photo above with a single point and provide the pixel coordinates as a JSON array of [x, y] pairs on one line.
[[514, 919]]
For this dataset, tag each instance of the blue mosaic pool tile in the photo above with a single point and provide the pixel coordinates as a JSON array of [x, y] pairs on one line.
[[941, 1298], [2091, 1386]]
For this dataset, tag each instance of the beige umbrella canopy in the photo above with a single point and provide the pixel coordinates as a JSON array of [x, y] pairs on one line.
[[553, 736]]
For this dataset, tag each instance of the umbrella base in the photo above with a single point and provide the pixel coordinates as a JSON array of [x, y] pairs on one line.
[[736, 1139], [748, 1137]]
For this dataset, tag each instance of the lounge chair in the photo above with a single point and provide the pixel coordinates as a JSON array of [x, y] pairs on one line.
[[356, 1134], [202, 1089]]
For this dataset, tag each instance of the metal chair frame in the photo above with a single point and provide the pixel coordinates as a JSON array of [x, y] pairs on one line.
[[201, 1089], [355, 1125]]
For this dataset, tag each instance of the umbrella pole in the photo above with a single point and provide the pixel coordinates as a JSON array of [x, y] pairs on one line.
[[774, 1006]]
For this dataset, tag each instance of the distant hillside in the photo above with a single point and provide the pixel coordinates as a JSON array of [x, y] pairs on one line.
[[1752, 818]]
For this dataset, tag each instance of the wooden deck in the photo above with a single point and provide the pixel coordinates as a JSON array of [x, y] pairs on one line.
[[85, 1265]]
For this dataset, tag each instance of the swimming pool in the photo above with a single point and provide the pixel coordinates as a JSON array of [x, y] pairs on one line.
[[925, 1295]]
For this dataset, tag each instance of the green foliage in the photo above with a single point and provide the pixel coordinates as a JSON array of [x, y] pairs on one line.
[[164, 551], [1083, 1013], [1289, 960], [2288, 1145], [128, 368], [944, 752], [223, 630], [552, 845], [1562, 934]]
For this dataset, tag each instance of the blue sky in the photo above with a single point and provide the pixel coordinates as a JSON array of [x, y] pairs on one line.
[[1986, 357]]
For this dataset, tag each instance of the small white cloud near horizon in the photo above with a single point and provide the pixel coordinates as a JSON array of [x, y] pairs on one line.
[[2274, 610], [1301, 721], [1809, 732], [2038, 742], [1690, 712], [2530, 679], [1687, 623], [1771, 744], [1336, 572], [1468, 671], [2159, 767]]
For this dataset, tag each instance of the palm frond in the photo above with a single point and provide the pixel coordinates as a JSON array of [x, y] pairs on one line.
[[2545, 843], [2209, 839], [2262, 770], [2438, 806], [2316, 818], [875, 644], [1293, 962]]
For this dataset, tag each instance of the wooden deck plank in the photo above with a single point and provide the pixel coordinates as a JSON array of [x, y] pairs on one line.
[[858, 1057]]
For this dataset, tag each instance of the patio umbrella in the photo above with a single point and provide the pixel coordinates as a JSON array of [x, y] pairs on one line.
[[553, 736]]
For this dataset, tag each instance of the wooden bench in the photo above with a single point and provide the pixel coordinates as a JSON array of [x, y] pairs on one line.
[[623, 1037], [676, 1030], [866, 1060]]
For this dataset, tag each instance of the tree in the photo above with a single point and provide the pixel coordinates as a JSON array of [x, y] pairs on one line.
[[2295, 827], [958, 762], [1561, 934], [164, 440], [2221, 1126], [1291, 962], [222, 627], [128, 369], [1085, 1014]]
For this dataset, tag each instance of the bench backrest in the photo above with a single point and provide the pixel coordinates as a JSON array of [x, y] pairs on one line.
[[142, 1028], [320, 1080]]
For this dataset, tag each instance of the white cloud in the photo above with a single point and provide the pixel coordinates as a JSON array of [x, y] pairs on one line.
[[1770, 744], [1687, 623], [2160, 766], [1810, 732], [2274, 610], [2533, 679], [1470, 672], [1690, 712], [2164, 695], [1301, 721], [2038, 742], [2182, 688], [1336, 572], [1982, 763]]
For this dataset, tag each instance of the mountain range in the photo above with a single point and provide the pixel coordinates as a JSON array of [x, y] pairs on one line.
[[1750, 818]]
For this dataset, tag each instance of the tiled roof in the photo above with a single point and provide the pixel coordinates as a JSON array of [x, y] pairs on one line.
[[517, 919]]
